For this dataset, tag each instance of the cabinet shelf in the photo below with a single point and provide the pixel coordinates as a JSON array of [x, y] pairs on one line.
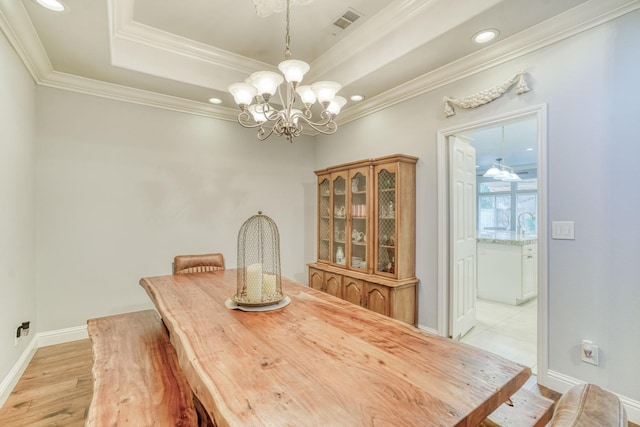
[[364, 190]]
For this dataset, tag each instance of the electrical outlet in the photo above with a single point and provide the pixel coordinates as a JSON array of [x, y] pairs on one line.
[[589, 352]]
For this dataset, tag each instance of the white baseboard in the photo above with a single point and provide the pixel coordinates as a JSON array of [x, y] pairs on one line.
[[562, 383], [427, 329], [42, 339], [62, 336], [10, 381]]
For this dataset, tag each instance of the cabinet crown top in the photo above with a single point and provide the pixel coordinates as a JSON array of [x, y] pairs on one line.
[[393, 158]]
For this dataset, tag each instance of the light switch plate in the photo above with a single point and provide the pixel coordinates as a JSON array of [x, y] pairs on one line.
[[562, 230]]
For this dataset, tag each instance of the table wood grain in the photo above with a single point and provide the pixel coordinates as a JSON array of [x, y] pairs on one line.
[[322, 361]]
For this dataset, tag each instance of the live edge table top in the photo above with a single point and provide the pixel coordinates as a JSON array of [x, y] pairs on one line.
[[322, 361]]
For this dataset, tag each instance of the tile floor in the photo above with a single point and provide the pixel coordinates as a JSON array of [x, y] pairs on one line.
[[507, 330]]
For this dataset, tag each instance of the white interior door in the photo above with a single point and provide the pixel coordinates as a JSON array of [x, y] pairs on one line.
[[462, 198]]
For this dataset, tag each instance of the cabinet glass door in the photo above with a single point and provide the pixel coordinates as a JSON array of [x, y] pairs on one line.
[[324, 226], [339, 254], [359, 228], [386, 211]]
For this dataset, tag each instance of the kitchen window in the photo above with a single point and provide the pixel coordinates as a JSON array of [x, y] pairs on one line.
[[500, 203]]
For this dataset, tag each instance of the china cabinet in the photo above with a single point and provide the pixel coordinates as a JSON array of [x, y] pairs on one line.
[[366, 235]]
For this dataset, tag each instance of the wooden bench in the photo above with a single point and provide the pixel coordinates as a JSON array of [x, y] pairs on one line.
[[527, 409], [137, 379]]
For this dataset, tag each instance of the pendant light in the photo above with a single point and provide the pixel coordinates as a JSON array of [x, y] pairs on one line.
[[499, 170]]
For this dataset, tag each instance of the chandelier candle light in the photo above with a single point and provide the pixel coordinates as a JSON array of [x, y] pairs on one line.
[[262, 85]]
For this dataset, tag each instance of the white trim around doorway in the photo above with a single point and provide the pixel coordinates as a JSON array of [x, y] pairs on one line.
[[540, 112]]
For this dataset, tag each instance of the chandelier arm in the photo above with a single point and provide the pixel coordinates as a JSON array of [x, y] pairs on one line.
[[328, 127], [326, 119], [245, 120], [267, 112], [280, 96], [280, 127], [262, 134]]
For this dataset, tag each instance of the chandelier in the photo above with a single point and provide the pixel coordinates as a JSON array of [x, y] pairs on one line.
[[288, 121]]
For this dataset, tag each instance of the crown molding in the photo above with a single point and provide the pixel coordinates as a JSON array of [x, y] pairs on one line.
[[123, 26], [139, 47], [418, 18], [102, 89], [565, 25], [19, 31], [394, 16], [15, 24]]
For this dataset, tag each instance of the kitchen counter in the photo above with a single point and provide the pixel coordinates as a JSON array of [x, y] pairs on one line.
[[506, 238], [507, 267]]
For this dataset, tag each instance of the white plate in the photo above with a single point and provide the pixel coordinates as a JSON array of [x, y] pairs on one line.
[[231, 305]]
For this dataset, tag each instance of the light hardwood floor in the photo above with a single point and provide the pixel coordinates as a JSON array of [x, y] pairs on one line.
[[55, 389], [57, 386]]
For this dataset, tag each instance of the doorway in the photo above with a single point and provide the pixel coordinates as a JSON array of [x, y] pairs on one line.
[[513, 210]]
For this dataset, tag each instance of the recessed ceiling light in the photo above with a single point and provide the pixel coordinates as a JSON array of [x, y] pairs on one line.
[[485, 36], [55, 5], [529, 149], [357, 98], [215, 100]]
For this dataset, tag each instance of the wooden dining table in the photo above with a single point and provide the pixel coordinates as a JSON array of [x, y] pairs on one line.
[[322, 361]]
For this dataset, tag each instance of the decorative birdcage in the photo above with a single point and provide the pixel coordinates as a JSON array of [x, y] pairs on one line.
[[259, 280]]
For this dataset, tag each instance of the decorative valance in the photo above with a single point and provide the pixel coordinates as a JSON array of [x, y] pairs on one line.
[[486, 96]]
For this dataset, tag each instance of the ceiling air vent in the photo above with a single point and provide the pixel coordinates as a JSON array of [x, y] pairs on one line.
[[347, 18]]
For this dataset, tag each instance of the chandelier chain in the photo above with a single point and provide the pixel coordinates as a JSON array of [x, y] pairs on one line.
[[287, 37]]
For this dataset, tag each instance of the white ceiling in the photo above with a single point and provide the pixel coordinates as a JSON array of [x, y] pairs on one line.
[[178, 54], [515, 142]]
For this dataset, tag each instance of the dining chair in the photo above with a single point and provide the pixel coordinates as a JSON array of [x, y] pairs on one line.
[[184, 264]]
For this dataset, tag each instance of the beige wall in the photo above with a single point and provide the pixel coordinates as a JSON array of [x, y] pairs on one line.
[[590, 85], [17, 206], [122, 188]]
